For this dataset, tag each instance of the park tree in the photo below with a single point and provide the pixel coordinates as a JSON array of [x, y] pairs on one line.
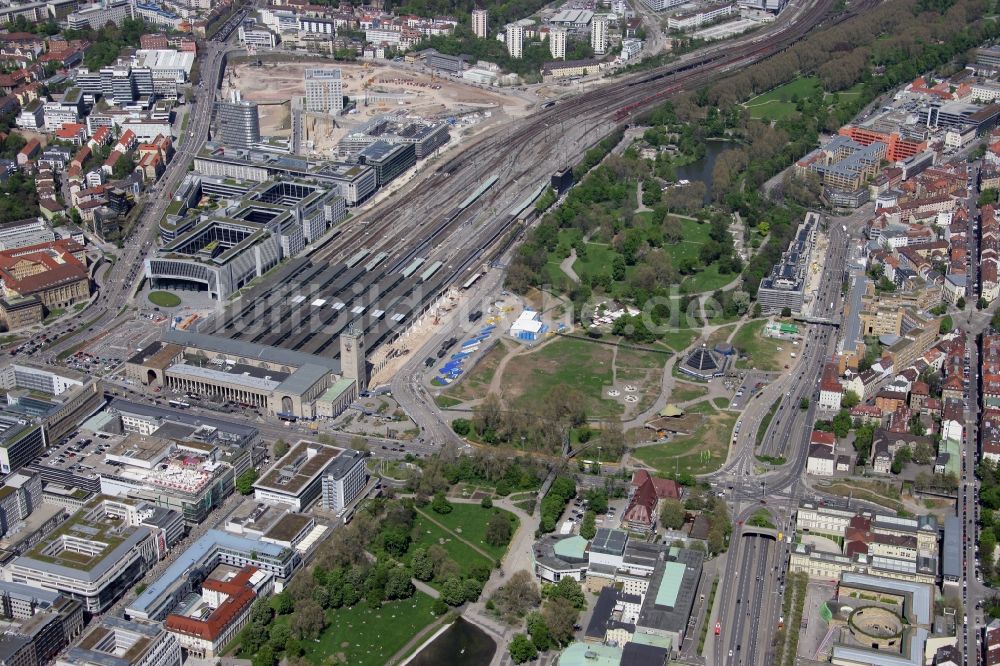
[[264, 656], [486, 502], [395, 541], [498, 530], [279, 634], [309, 620], [282, 604], [588, 528], [521, 649], [245, 481], [560, 617], [539, 631], [518, 596], [472, 588], [321, 595], [672, 514], [440, 504], [423, 565], [453, 591], [568, 589], [398, 584]]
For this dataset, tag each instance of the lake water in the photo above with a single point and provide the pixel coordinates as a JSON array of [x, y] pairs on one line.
[[461, 644], [702, 169]]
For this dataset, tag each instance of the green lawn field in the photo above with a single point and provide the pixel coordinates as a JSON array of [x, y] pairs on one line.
[[469, 522], [367, 637]]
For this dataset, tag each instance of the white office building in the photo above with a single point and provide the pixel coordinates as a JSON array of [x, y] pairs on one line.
[[480, 24], [344, 480], [599, 34], [324, 91], [515, 40], [557, 43]]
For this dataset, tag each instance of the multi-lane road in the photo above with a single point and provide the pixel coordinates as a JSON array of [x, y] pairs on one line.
[[756, 564]]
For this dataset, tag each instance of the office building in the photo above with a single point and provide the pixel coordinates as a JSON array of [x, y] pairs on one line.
[[480, 23], [95, 557], [214, 548], [355, 182], [210, 622], [32, 231], [324, 91], [425, 136], [297, 480], [238, 122], [99, 14], [515, 40], [389, 160], [557, 43], [344, 480], [222, 251], [662, 5], [113, 641], [55, 273], [444, 62], [19, 496], [599, 34]]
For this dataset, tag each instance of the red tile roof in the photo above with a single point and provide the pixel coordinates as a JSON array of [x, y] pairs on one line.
[[642, 508], [665, 488]]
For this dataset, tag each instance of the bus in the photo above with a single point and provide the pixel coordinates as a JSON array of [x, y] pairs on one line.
[[287, 416], [178, 404]]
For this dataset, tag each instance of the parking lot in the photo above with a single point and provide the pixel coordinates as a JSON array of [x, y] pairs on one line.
[[578, 507], [753, 383]]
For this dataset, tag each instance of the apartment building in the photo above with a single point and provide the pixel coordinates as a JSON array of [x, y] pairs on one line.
[[480, 23]]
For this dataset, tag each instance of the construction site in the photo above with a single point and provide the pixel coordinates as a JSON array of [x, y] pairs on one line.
[[373, 89]]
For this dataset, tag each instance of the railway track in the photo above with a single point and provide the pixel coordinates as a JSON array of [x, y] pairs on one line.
[[430, 220]]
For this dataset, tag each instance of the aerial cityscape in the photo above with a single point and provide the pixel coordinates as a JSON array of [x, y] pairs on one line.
[[481, 333]]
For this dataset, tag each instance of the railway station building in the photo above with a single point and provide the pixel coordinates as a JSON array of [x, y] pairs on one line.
[[281, 381]]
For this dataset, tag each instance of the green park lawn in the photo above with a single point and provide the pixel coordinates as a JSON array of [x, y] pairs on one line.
[[427, 534], [679, 339], [776, 103], [708, 279], [762, 352], [367, 637], [683, 392], [164, 299], [469, 522]]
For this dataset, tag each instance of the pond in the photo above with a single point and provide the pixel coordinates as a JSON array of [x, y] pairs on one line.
[[701, 170], [461, 644]]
